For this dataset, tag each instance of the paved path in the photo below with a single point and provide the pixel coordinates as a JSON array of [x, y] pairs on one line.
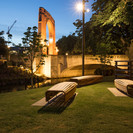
[[116, 92], [41, 102]]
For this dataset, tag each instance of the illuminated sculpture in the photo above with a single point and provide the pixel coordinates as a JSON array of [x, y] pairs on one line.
[[46, 19]]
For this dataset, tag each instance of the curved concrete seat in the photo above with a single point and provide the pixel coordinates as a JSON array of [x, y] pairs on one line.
[[64, 90], [86, 80], [124, 85]]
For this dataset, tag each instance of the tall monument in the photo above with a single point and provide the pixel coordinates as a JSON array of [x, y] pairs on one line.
[[45, 19]]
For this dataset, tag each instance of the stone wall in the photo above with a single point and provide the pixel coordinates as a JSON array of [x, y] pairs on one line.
[[60, 65]]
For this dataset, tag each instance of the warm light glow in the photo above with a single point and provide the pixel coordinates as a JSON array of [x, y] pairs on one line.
[[34, 66], [21, 67], [57, 50], [47, 44], [51, 40], [42, 42], [66, 53], [79, 6], [88, 10]]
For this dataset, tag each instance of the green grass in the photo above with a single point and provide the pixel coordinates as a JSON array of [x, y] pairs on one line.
[[94, 110]]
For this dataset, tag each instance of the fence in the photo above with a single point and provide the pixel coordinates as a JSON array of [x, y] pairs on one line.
[[124, 69]]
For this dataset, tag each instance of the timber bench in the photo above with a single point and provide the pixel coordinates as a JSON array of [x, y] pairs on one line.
[[86, 80], [124, 85], [63, 91]]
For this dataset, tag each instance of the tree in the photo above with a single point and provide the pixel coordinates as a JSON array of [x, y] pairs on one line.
[[34, 48], [117, 14], [109, 30], [114, 18], [129, 51], [89, 42], [66, 44], [3, 47]]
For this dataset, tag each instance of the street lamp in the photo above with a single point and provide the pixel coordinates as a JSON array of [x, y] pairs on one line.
[[81, 7]]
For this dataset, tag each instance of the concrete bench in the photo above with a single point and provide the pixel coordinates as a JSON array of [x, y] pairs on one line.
[[63, 90], [86, 80], [124, 85]]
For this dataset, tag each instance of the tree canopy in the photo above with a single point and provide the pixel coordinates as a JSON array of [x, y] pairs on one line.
[[3, 47], [109, 30], [118, 15], [32, 47], [66, 44]]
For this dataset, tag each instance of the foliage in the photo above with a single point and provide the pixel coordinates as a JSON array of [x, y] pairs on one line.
[[109, 30], [33, 45], [96, 42], [3, 65], [104, 72], [88, 40], [117, 14], [16, 76], [33, 48], [129, 51], [100, 39], [66, 44], [3, 47]]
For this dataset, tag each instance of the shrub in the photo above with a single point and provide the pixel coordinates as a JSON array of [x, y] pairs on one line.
[[3, 65], [16, 76], [104, 72]]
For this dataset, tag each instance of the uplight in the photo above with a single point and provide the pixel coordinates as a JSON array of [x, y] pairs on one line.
[[51, 40]]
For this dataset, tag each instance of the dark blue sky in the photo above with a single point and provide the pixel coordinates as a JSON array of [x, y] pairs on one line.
[[26, 14]]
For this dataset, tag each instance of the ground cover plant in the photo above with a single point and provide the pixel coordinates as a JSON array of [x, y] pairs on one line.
[[94, 110], [16, 76]]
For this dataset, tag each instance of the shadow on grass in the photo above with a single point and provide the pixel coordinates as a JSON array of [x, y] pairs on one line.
[[108, 78], [131, 96], [56, 107]]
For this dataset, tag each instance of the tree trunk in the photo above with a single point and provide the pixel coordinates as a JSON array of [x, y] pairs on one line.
[[32, 69]]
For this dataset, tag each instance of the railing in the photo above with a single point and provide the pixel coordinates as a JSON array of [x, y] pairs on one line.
[[124, 69]]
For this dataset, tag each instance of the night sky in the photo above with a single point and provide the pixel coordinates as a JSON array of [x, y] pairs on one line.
[[26, 14]]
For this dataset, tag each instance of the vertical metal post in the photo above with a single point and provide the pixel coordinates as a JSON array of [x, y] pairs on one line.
[[83, 39], [130, 69], [116, 63]]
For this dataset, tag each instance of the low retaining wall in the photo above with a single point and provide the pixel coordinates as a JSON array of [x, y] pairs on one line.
[[60, 65]]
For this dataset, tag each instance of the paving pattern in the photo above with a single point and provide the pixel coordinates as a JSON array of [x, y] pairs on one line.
[[116, 92], [41, 102]]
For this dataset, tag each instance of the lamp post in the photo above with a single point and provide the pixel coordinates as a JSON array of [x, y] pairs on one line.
[[83, 37], [81, 7]]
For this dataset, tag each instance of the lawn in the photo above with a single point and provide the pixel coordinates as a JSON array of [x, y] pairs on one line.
[[94, 110]]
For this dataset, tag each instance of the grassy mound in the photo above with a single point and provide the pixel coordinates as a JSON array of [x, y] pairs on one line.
[[94, 109]]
